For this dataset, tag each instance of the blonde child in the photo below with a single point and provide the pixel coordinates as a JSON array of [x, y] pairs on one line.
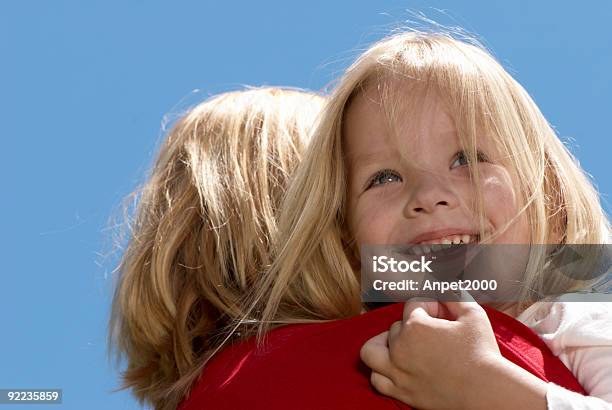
[[427, 139], [202, 233]]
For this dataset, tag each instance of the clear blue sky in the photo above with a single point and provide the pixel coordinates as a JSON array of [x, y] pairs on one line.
[[84, 86]]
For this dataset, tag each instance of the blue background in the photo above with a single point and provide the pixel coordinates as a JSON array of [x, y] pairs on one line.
[[85, 87]]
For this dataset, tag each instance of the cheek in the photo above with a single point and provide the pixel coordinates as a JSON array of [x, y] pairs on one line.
[[498, 194], [371, 222], [502, 205]]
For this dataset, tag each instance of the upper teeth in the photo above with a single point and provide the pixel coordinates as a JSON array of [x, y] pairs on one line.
[[441, 243]]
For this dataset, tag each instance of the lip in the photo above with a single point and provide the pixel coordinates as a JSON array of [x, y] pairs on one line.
[[441, 233]]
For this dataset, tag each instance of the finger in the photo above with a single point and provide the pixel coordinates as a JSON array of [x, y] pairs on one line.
[[375, 353], [465, 296], [420, 313], [383, 384], [394, 332], [431, 307], [380, 339], [465, 305]]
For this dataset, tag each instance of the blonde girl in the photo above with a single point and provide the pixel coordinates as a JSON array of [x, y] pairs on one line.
[[201, 234], [427, 139]]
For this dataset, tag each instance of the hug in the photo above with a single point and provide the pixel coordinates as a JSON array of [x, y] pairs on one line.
[[241, 284]]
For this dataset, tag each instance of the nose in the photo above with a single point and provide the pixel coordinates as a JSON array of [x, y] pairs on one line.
[[429, 194]]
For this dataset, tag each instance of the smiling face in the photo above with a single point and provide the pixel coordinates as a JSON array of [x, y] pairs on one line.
[[409, 180]]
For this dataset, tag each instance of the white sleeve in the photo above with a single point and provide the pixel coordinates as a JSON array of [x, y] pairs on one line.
[[580, 334], [558, 398]]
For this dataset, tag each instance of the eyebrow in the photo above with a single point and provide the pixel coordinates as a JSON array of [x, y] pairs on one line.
[[368, 158], [375, 155]]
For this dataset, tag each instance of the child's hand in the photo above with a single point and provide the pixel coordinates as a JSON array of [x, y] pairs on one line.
[[430, 362]]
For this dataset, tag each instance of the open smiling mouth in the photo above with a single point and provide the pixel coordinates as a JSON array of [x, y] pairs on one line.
[[450, 255], [441, 246]]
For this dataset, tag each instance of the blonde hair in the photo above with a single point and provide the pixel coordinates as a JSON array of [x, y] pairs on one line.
[[202, 233], [313, 276]]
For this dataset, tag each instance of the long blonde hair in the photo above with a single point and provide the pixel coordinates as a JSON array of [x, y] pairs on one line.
[[313, 276], [201, 234]]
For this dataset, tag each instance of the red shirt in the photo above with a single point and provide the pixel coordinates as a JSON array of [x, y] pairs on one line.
[[317, 366]]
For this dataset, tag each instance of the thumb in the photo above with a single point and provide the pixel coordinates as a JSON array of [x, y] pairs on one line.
[[431, 306], [463, 305]]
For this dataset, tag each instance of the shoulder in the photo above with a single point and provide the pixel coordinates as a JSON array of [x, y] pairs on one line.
[[293, 362], [572, 320]]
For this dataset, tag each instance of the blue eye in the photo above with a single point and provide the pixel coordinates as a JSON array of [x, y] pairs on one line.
[[383, 177], [461, 159]]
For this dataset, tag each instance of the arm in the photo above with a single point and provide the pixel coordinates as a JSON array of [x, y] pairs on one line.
[[504, 385], [579, 333]]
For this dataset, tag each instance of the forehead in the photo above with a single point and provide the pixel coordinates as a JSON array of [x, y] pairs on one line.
[[383, 114], [404, 116]]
